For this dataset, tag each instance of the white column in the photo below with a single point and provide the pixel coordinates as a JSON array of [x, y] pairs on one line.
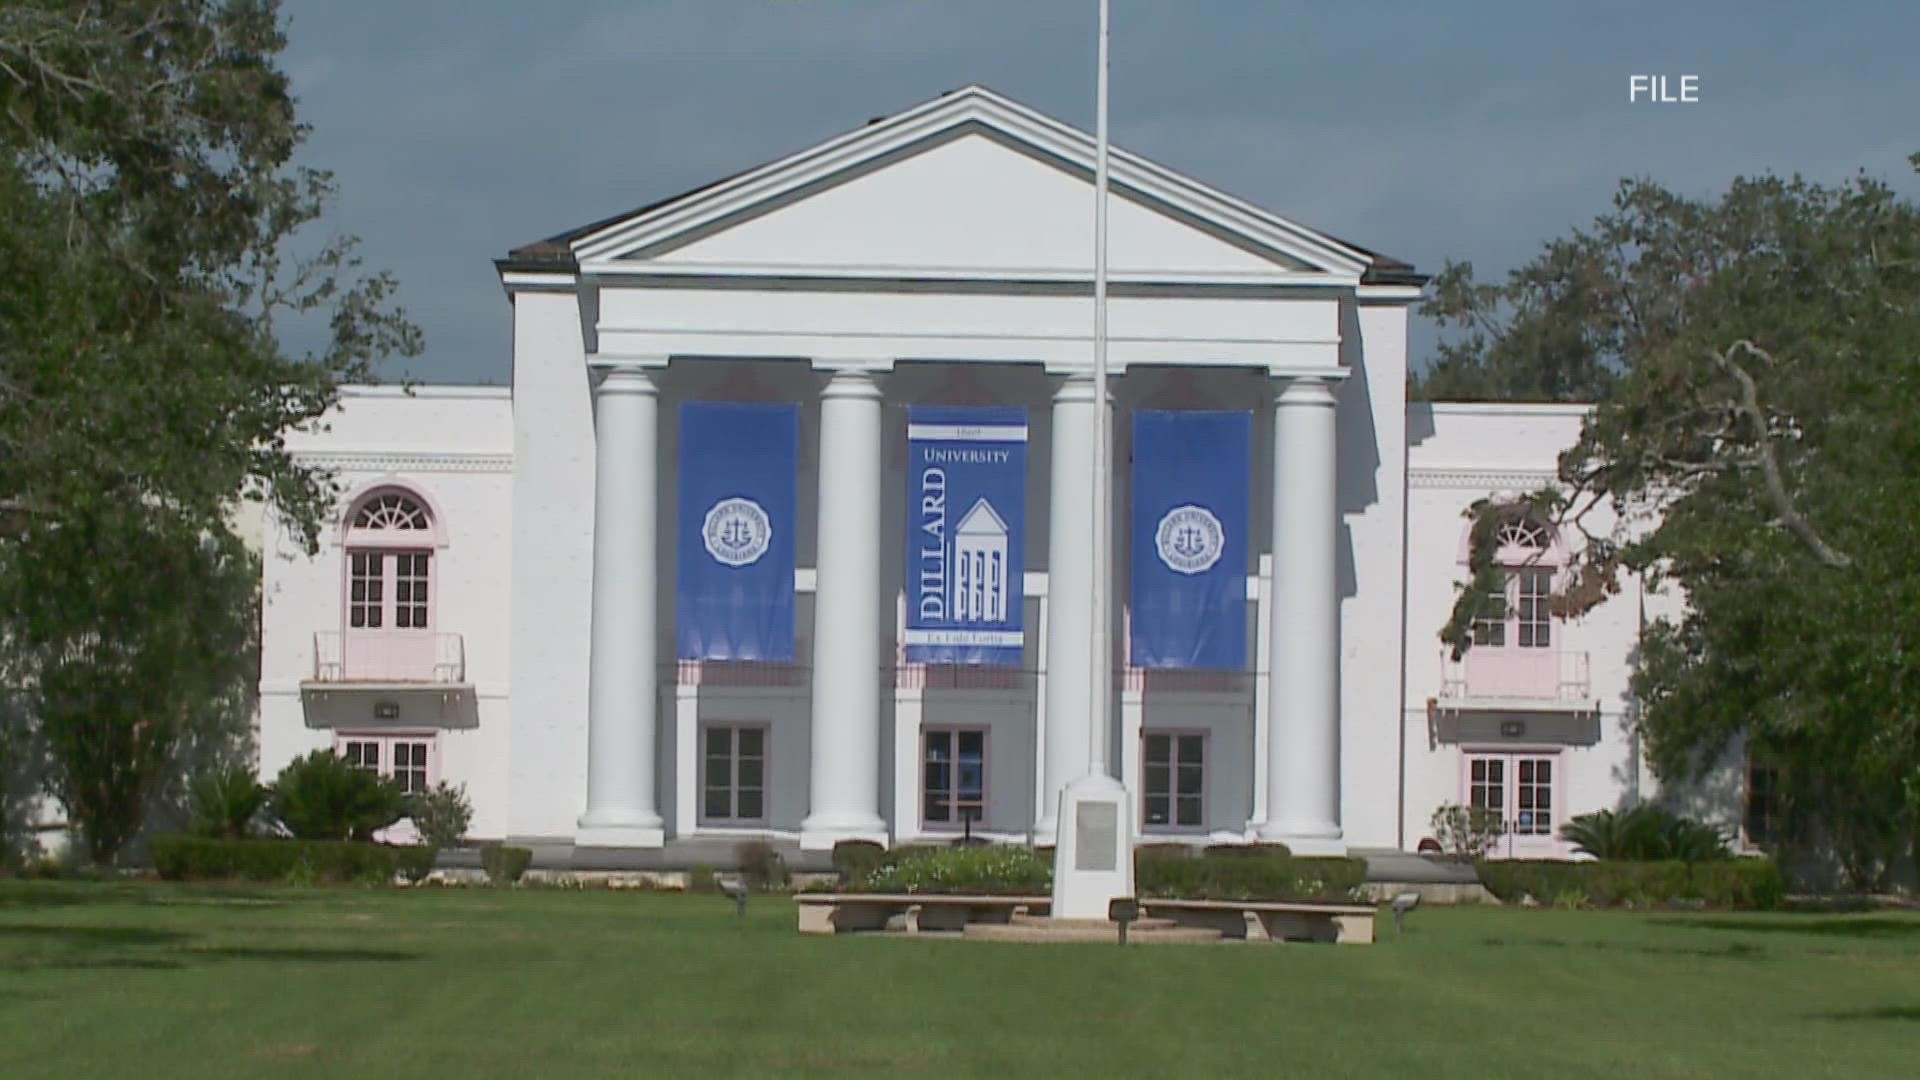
[[1069, 631], [623, 680], [1303, 702], [845, 756], [686, 753]]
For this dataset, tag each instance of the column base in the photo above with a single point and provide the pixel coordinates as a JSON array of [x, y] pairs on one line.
[[1046, 831], [620, 829], [820, 834], [1301, 840]]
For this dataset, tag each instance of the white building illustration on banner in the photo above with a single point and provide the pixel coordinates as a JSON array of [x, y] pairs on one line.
[[980, 566], [938, 258]]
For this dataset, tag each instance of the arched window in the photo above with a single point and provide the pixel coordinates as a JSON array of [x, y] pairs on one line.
[[1522, 615], [387, 609]]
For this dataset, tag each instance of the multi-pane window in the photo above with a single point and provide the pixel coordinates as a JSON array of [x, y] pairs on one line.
[[1534, 797], [1517, 789], [1487, 785], [1175, 768], [410, 589], [404, 758], [366, 578], [1534, 612], [954, 776], [734, 778], [392, 511], [1490, 629]]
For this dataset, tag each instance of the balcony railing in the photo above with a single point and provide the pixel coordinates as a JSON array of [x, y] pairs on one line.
[[1515, 674], [425, 657]]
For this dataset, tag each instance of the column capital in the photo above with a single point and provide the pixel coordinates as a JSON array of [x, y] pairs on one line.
[[1304, 390], [858, 383], [625, 379]]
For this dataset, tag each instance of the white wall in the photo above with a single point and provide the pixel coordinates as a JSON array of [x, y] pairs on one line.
[[451, 446]]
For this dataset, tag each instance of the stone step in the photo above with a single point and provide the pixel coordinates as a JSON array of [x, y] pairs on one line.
[[1108, 925]]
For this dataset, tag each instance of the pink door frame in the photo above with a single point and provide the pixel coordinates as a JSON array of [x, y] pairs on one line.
[[1512, 845]]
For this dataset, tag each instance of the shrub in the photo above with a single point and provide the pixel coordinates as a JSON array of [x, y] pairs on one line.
[[224, 802], [1231, 851], [700, 879], [415, 862], [504, 865], [856, 860], [296, 862], [321, 797], [442, 814], [1000, 870], [1644, 833], [761, 867], [1166, 851], [1465, 833], [1247, 876], [1724, 883]]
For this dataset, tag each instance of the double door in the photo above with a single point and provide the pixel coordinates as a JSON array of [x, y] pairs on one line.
[[1522, 791]]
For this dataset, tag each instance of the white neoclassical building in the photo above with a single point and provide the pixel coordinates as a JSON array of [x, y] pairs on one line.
[[783, 528]]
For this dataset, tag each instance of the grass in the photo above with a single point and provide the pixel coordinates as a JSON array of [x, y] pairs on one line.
[[160, 981]]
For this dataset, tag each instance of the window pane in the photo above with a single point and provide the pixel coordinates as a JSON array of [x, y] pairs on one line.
[[717, 803], [751, 804], [972, 743], [1496, 771], [751, 741], [1190, 748], [1191, 778], [1157, 780], [973, 781], [1189, 811], [1159, 749], [1543, 770], [720, 740], [1526, 772], [1479, 770], [1157, 810], [750, 772], [719, 772], [935, 809]]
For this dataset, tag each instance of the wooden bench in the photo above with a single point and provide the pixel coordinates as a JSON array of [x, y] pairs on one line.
[[839, 913], [1271, 920]]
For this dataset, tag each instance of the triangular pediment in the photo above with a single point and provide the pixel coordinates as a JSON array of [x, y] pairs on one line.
[[981, 520], [969, 185]]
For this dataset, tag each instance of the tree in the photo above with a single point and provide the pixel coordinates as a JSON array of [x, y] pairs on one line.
[[1759, 448], [150, 215]]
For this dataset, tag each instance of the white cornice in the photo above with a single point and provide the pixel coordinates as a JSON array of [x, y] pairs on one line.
[[970, 105], [406, 461], [1483, 479]]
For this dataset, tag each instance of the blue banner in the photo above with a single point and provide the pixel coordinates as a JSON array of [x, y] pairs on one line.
[[1191, 473], [966, 534], [734, 597]]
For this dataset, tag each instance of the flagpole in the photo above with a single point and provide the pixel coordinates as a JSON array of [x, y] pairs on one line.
[[1102, 673]]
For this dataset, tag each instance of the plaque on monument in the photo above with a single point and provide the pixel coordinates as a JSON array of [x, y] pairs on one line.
[[1096, 836]]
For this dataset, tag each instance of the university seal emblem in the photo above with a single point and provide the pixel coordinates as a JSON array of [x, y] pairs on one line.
[[1189, 539], [736, 532]]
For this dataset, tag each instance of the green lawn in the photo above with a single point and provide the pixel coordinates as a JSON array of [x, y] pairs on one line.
[[160, 981]]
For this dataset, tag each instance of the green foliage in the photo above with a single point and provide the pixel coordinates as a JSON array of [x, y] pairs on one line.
[[442, 814], [1746, 884], [701, 880], [1644, 833], [151, 235], [224, 802], [1758, 444], [504, 865], [1240, 851], [856, 860], [1251, 876], [294, 862], [414, 862], [320, 797], [998, 870], [761, 866], [1464, 833]]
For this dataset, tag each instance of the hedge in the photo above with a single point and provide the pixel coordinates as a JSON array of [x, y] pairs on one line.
[[987, 871], [856, 860], [196, 858], [1754, 884], [504, 864], [1247, 875]]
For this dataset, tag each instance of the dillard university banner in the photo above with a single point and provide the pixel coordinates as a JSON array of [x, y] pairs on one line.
[[1191, 474], [734, 596], [966, 534]]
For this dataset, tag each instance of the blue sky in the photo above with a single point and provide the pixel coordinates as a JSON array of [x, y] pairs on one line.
[[460, 128]]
